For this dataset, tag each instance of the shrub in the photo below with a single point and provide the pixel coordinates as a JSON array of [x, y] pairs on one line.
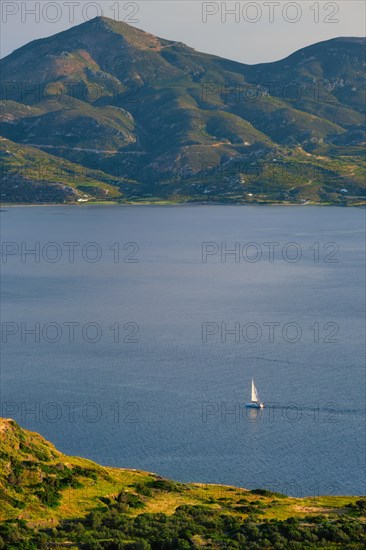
[[265, 493]]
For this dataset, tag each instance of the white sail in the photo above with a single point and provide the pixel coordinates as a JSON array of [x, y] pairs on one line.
[[255, 396]]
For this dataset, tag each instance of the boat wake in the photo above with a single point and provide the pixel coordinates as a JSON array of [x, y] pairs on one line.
[[334, 410]]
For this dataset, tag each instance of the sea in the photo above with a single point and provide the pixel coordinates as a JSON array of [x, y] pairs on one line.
[[131, 335]]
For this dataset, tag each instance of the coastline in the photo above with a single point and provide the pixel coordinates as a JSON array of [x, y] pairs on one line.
[[180, 204]]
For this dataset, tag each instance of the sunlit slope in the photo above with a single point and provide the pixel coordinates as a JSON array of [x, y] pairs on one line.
[[38, 483], [110, 97]]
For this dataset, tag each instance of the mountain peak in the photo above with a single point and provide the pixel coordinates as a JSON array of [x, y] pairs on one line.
[[132, 35], [106, 23], [110, 89]]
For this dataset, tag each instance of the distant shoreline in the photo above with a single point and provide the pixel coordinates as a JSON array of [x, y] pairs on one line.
[[181, 204]]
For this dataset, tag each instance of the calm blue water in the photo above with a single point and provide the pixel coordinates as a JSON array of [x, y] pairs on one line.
[[166, 394]]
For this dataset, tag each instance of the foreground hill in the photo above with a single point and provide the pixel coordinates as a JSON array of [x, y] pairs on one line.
[[50, 500], [144, 118]]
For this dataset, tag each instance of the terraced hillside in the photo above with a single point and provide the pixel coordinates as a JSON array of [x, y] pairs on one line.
[[134, 117]]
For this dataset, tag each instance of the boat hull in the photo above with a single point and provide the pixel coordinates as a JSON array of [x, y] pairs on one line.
[[254, 405]]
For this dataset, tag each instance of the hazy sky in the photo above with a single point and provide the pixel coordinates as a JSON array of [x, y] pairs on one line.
[[247, 31]]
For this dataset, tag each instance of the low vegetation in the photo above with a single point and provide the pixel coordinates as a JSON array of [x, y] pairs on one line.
[[50, 500]]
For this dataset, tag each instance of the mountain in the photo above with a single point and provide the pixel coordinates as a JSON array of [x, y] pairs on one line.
[[51, 500], [107, 111]]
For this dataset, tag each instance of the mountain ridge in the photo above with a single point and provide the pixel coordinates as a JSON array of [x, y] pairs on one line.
[[161, 121], [107, 21]]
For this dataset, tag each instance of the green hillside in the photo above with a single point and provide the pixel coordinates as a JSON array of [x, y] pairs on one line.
[[169, 121], [50, 500], [31, 175]]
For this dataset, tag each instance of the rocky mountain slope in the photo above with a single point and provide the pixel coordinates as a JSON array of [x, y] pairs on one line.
[[107, 111]]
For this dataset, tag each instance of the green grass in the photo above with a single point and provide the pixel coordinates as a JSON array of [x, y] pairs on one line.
[[48, 496], [25, 458]]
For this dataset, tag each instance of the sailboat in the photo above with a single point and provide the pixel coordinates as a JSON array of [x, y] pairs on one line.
[[255, 402]]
